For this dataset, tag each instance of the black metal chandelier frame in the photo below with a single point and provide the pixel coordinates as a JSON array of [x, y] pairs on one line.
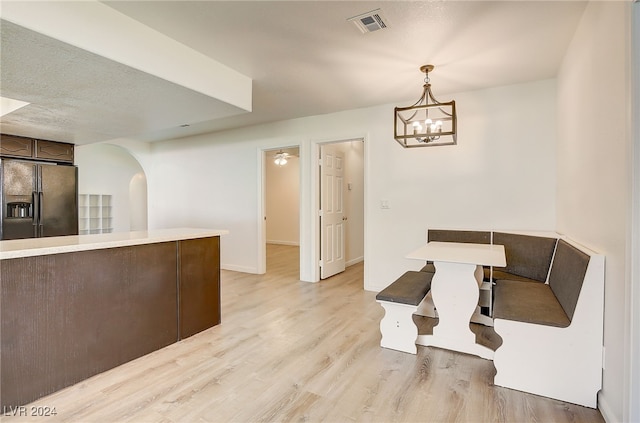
[[428, 122]]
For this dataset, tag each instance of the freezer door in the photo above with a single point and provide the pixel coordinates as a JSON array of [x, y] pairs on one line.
[[58, 200], [18, 217]]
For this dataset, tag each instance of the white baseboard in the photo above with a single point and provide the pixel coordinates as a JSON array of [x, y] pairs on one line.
[[247, 269], [606, 411], [354, 261], [291, 243], [374, 287], [236, 268]]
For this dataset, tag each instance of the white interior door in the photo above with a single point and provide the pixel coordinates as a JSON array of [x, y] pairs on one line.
[[332, 218]]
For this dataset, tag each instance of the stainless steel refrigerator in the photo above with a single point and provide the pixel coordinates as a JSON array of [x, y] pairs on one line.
[[38, 199]]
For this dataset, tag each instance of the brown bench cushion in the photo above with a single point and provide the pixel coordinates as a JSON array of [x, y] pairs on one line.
[[527, 256], [409, 288], [502, 275], [567, 274], [528, 302]]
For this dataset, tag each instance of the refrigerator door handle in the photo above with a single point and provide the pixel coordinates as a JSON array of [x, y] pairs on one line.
[[35, 201], [40, 201]]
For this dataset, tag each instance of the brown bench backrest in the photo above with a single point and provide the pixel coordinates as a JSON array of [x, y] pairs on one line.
[[527, 256], [567, 274], [445, 235]]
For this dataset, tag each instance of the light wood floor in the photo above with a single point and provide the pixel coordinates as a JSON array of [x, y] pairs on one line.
[[294, 351]]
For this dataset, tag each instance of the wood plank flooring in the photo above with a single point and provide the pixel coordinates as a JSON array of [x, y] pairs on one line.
[[293, 351]]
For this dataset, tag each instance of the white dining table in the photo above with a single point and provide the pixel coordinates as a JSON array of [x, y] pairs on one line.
[[455, 291]]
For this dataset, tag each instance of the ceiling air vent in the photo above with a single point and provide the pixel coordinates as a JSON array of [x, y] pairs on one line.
[[370, 21]]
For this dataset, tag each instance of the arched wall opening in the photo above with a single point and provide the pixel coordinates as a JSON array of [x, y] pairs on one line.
[[106, 169]]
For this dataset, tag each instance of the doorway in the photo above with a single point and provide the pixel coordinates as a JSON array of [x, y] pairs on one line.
[[282, 207], [341, 209], [309, 198]]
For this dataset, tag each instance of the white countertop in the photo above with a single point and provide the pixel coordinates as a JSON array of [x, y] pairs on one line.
[[457, 252], [30, 247]]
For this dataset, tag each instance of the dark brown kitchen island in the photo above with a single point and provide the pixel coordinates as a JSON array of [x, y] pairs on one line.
[[75, 306]]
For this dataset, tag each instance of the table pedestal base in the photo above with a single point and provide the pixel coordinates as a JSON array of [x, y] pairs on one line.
[[427, 309], [455, 294]]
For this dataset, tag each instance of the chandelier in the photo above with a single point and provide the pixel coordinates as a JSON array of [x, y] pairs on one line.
[[427, 122]]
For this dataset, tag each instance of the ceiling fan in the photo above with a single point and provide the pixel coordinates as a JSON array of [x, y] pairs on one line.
[[281, 157]]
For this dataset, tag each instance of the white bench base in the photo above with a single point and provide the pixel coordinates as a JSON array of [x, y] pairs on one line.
[[399, 332]]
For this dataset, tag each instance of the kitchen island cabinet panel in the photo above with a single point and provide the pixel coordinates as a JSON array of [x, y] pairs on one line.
[[66, 317], [74, 306], [199, 285]]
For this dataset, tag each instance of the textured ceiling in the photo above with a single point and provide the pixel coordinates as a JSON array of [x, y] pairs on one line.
[[304, 57], [81, 97]]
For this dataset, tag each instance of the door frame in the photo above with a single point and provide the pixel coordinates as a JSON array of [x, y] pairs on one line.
[[313, 263], [631, 387], [262, 203]]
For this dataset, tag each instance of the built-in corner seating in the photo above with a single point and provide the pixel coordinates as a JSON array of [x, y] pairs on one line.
[[547, 306], [552, 332]]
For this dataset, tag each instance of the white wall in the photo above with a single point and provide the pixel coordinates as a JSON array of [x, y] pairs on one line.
[[501, 175], [594, 168], [138, 202], [110, 169], [282, 201], [210, 181]]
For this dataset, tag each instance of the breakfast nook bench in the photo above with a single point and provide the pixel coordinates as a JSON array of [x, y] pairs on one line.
[[552, 332], [400, 301], [546, 302]]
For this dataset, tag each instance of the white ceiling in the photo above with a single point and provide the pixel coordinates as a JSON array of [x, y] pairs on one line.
[[304, 58]]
